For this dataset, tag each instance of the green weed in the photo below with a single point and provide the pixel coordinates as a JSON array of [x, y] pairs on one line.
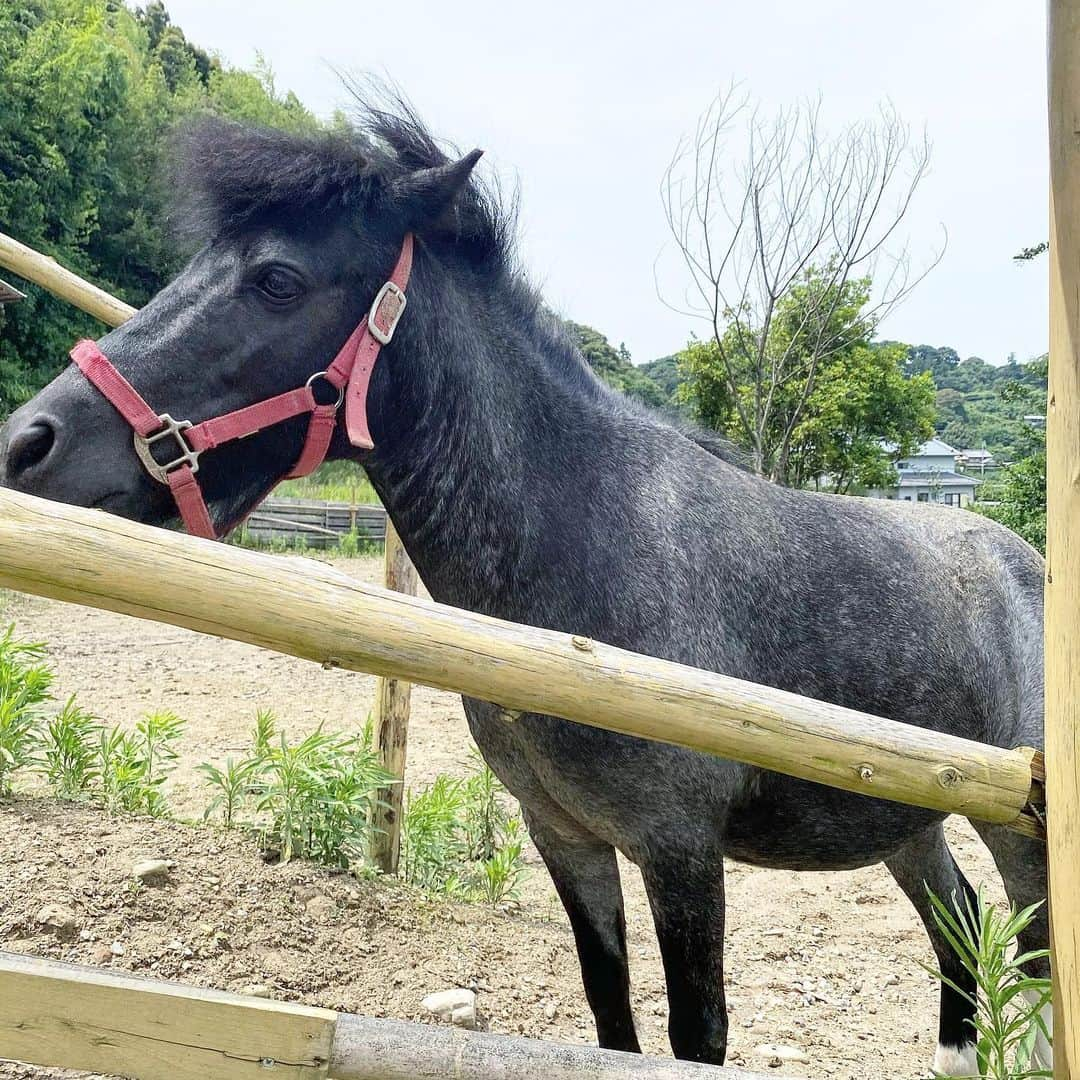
[[458, 838], [1008, 1001], [70, 758], [310, 799], [134, 764], [24, 687]]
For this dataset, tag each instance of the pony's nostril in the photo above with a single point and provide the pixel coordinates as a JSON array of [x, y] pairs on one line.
[[30, 446]]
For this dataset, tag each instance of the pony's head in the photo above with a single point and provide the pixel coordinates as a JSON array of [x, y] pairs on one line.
[[295, 236]]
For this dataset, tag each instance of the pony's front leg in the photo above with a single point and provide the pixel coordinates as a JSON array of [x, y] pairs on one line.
[[586, 876], [686, 893]]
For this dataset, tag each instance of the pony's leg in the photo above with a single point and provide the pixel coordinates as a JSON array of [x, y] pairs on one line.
[[927, 863], [686, 894], [1022, 865], [586, 877]]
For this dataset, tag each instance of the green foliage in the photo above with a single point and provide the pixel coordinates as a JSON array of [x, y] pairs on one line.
[[24, 689], [311, 799], [1021, 500], [134, 764], [70, 758], [334, 481], [1008, 1001], [459, 839], [89, 90], [614, 366], [233, 785], [843, 395], [983, 405]]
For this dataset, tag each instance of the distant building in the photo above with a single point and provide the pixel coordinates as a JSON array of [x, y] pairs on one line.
[[975, 460], [929, 475]]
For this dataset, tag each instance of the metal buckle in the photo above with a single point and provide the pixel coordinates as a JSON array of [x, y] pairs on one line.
[[389, 290], [170, 427], [339, 390]]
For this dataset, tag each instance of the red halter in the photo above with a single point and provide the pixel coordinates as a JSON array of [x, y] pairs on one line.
[[349, 375]]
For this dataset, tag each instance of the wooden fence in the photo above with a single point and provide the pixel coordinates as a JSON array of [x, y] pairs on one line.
[[62, 1017], [311, 610], [320, 524], [85, 1018]]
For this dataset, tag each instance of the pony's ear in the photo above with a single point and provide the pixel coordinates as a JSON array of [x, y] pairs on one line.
[[426, 195]]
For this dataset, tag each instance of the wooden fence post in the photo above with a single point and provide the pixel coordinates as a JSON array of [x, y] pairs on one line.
[[1063, 533], [392, 722]]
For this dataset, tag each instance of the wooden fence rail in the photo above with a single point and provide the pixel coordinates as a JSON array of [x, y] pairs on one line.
[[67, 1016], [310, 610]]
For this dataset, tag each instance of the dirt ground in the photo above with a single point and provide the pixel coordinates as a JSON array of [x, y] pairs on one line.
[[827, 963]]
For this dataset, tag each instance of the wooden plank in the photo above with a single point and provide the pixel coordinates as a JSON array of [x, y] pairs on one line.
[[72, 1017], [9, 294], [369, 1049], [49, 274], [64, 1015], [392, 722], [308, 609], [1063, 533]]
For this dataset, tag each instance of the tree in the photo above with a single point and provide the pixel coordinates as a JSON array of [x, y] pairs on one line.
[[1021, 502], [860, 400], [613, 365], [797, 214], [88, 94]]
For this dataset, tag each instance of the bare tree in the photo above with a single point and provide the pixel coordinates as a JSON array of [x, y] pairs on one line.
[[788, 209]]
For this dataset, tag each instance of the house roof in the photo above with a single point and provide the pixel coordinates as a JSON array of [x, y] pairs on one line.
[[976, 454], [936, 478], [935, 448]]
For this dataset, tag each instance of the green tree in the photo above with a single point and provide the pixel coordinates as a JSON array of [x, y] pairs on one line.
[[829, 421], [614, 366], [89, 91], [1021, 497]]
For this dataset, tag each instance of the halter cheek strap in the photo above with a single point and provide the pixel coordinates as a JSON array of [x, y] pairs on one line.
[[349, 375]]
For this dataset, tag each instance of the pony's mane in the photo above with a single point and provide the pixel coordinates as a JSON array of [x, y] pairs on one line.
[[226, 175]]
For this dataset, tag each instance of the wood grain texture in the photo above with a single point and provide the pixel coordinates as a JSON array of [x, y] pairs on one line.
[[64, 1015], [392, 722], [366, 1049], [310, 610], [1063, 533], [49, 274]]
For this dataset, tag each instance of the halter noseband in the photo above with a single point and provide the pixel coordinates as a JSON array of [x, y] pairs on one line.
[[349, 375]]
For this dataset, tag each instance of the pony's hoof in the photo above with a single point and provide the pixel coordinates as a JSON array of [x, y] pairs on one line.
[[956, 1060]]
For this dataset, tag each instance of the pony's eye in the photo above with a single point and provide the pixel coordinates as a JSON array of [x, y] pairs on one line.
[[279, 285]]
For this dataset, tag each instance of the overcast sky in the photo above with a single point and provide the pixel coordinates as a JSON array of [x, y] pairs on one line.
[[584, 102]]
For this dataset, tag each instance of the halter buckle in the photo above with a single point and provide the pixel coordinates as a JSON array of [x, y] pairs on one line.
[[393, 297], [324, 377], [170, 428]]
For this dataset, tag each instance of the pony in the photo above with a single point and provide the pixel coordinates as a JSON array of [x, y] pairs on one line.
[[524, 488]]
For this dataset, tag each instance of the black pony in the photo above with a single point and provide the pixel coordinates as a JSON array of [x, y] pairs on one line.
[[525, 489]]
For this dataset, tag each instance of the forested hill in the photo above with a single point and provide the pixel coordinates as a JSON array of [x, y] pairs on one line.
[[978, 404], [88, 92], [981, 404]]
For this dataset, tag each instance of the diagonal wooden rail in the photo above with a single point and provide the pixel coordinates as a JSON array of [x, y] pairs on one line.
[[392, 700], [67, 1016], [310, 610]]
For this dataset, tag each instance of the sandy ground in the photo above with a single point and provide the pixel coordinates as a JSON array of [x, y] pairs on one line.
[[828, 963]]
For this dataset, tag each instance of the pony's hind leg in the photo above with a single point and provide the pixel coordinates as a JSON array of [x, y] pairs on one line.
[[686, 894], [1021, 862], [586, 877], [927, 863]]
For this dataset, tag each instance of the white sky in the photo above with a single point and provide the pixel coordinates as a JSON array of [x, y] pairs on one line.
[[584, 102]]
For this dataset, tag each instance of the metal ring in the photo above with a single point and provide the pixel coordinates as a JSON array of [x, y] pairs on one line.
[[323, 375]]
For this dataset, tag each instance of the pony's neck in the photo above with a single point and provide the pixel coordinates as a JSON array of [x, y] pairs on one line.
[[481, 417]]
